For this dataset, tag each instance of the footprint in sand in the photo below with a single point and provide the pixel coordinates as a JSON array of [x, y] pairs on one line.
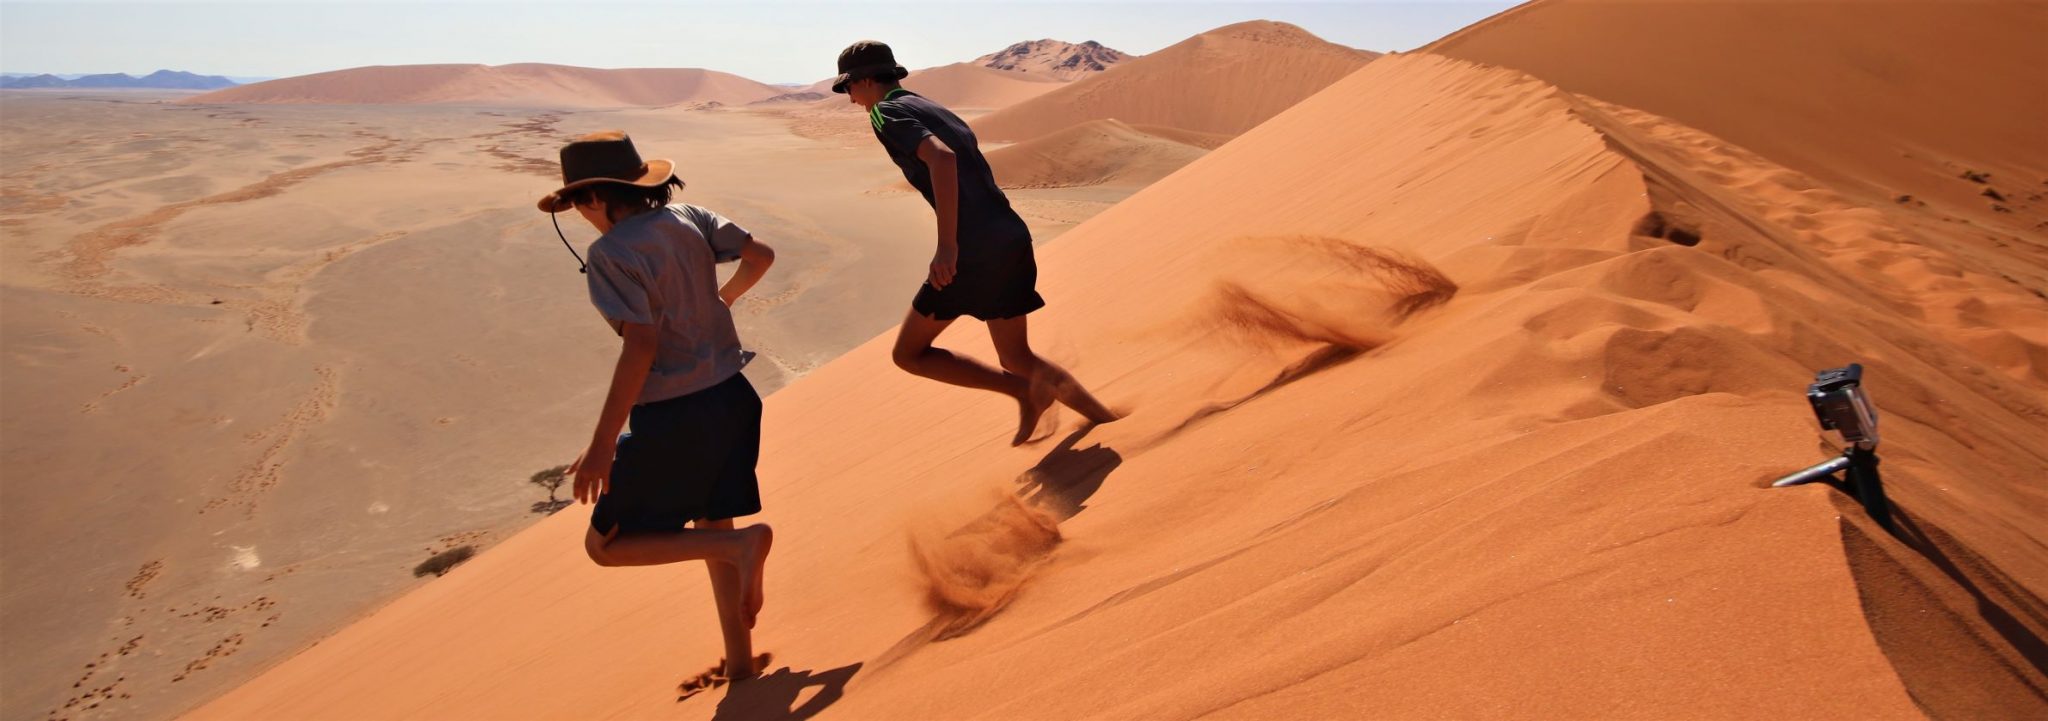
[[91, 697], [227, 647], [136, 586], [267, 471]]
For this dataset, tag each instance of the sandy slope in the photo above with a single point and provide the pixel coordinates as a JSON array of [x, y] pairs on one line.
[[1529, 486], [1222, 81], [523, 85], [1878, 99], [1096, 152]]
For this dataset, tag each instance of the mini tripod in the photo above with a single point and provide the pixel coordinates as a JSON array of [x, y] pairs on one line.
[[1861, 465], [1840, 403]]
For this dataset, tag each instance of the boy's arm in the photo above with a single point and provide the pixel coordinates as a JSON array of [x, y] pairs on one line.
[[945, 168], [636, 358], [755, 257]]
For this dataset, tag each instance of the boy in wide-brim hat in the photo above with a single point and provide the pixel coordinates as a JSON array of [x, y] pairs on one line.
[[984, 265], [668, 491]]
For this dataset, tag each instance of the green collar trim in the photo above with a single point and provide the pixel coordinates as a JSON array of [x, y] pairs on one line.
[[875, 115]]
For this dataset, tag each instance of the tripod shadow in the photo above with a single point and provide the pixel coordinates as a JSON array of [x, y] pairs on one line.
[[1066, 477], [1992, 589], [773, 696]]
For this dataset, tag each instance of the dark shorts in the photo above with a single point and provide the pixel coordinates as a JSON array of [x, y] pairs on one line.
[[687, 458], [1000, 284]]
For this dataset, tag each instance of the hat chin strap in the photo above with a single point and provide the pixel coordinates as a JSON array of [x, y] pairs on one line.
[[581, 267]]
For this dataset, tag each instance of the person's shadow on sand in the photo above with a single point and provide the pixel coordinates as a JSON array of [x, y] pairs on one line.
[[1065, 478], [773, 696]]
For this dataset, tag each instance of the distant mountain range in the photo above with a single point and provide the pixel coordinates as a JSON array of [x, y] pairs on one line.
[[161, 79], [1063, 60]]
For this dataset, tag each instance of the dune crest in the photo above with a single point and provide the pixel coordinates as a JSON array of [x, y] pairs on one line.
[[1818, 92]]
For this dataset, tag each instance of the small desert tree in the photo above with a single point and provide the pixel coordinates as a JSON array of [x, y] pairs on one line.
[[550, 479]]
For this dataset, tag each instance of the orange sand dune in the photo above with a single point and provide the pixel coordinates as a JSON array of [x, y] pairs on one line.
[[1223, 81], [1451, 394], [967, 85], [1096, 152], [525, 84], [1209, 141], [1879, 99]]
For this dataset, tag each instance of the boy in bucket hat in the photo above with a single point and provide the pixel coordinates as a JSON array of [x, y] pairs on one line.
[[696, 421], [984, 266]]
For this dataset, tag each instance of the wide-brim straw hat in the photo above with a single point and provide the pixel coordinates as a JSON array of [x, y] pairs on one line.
[[605, 157]]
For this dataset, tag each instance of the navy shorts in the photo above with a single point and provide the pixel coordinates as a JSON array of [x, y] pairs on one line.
[[1000, 283], [687, 458]]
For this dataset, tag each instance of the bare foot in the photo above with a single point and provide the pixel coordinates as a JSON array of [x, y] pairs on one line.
[[1109, 415], [1074, 396], [754, 667], [720, 675], [1030, 407], [754, 568]]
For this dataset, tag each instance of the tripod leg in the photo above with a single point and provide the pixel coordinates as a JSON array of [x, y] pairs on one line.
[[1815, 472]]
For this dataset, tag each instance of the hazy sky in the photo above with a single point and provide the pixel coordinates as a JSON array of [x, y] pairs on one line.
[[764, 40]]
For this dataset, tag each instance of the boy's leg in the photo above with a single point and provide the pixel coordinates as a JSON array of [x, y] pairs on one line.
[[729, 575], [738, 605], [1013, 346], [744, 551], [914, 353]]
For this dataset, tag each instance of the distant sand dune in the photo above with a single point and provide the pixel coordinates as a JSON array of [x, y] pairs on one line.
[[1223, 82], [966, 85], [519, 85], [1096, 152]]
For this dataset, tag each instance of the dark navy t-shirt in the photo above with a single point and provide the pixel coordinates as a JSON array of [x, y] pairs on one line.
[[987, 223]]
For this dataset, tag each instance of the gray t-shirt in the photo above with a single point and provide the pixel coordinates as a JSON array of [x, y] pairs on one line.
[[658, 269]]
